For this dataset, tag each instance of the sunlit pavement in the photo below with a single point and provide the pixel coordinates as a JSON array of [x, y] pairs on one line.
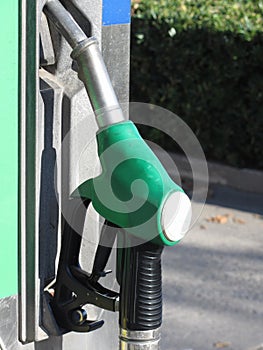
[[213, 280]]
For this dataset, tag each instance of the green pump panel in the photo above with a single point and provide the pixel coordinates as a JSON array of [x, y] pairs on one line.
[[9, 147]]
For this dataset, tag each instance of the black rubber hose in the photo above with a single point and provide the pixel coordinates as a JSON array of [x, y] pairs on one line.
[[140, 279]]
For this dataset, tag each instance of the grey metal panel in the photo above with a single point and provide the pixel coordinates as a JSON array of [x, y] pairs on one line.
[[116, 54], [61, 109], [42, 189], [28, 103], [9, 330]]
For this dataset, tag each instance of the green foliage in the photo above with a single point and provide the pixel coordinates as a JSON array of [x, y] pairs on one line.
[[203, 60]]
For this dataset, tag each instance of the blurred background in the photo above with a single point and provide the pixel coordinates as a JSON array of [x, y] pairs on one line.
[[203, 60]]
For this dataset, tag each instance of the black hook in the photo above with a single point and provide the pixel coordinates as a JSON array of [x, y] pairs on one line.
[[74, 287]]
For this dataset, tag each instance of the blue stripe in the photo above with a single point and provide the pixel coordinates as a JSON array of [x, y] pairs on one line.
[[116, 12]]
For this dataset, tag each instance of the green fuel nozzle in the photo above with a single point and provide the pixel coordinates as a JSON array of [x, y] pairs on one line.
[[133, 193], [134, 190]]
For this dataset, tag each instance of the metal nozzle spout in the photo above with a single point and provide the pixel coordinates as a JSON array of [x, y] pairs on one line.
[[91, 67]]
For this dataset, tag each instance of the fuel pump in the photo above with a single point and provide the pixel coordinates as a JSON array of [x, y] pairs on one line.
[[141, 205]]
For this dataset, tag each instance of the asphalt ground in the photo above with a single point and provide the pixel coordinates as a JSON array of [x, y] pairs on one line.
[[213, 279]]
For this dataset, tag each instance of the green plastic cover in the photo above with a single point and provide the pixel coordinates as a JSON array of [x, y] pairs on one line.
[[133, 185]]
